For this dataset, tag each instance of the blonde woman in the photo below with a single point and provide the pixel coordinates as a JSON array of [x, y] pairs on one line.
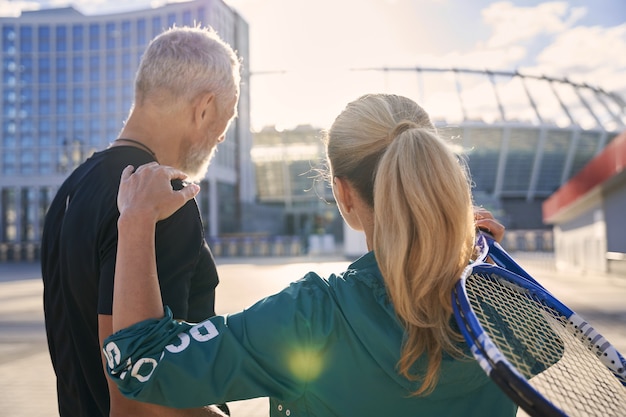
[[376, 340]]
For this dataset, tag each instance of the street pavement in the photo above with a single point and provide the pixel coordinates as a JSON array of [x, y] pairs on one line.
[[27, 384]]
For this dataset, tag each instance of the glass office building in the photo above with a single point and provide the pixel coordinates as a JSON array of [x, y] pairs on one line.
[[66, 89]]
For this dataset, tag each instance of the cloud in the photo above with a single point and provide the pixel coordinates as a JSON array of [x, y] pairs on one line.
[[479, 58], [14, 8], [515, 33], [513, 25], [595, 55]]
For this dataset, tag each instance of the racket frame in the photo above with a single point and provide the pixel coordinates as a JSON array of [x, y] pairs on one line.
[[495, 364]]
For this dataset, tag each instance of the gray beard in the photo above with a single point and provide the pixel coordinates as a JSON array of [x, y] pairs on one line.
[[196, 163]]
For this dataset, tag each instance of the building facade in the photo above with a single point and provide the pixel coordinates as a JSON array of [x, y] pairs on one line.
[[291, 179], [67, 87], [587, 214]]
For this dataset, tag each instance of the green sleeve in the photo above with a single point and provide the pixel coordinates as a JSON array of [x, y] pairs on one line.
[[267, 350]]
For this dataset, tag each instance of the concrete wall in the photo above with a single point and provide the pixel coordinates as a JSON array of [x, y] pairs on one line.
[[580, 244], [615, 214]]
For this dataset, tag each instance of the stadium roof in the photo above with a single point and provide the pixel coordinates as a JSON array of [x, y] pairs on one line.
[[463, 95]]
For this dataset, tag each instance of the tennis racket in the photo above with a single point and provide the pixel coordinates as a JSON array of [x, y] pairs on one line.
[[489, 247], [545, 357]]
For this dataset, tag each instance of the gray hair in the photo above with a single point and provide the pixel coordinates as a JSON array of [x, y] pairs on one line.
[[184, 62]]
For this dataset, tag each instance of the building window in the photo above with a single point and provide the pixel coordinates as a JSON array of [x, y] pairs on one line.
[[8, 97], [94, 100], [126, 66], [201, 15], [61, 131], [94, 37], [45, 161], [9, 110], [44, 38], [45, 132], [8, 162], [111, 34], [171, 20], [8, 73], [8, 79], [77, 69], [110, 100], [187, 21], [126, 35], [61, 68], [44, 70], [94, 68], [77, 100], [110, 67], [61, 101], [77, 38], [9, 128], [78, 125], [157, 26], [9, 141], [44, 101], [141, 33], [27, 141], [27, 161], [8, 39], [26, 39], [27, 69], [61, 40], [44, 94], [26, 109], [94, 124], [111, 127]]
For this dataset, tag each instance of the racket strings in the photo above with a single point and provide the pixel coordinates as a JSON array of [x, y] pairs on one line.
[[545, 348]]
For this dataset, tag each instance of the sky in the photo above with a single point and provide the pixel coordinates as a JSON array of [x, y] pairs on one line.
[[303, 53]]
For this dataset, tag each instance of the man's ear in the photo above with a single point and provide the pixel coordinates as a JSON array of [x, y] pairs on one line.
[[204, 108]]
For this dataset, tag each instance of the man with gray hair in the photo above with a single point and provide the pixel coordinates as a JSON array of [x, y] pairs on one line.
[[186, 94]]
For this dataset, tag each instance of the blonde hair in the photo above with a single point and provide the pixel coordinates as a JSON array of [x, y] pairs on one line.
[[388, 149]]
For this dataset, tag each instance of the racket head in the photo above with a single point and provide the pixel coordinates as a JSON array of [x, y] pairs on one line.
[[538, 351]]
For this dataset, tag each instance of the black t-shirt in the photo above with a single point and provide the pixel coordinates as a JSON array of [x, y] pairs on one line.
[[78, 263]]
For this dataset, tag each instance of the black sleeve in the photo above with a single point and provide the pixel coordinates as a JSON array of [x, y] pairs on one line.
[[107, 251], [185, 266], [179, 240]]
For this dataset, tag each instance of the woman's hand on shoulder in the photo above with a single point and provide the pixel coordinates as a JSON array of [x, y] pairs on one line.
[[147, 192]]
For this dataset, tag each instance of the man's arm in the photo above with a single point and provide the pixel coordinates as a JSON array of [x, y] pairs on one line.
[[123, 407]]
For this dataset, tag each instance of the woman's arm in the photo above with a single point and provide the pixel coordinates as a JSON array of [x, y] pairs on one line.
[[145, 197]]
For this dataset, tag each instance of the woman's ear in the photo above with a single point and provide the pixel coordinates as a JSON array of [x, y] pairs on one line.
[[348, 202], [343, 194]]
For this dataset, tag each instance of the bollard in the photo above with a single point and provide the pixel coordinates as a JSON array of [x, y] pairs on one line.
[[231, 247], [279, 246], [216, 247], [295, 247], [247, 246]]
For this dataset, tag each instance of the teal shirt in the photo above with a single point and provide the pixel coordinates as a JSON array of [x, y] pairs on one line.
[[320, 347]]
